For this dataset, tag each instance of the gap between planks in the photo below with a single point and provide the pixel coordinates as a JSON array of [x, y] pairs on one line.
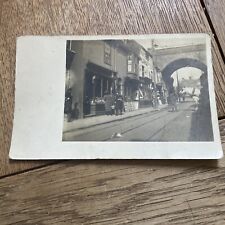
[[213, 32]]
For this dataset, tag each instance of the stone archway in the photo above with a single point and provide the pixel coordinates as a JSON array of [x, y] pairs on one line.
[[178, 64]]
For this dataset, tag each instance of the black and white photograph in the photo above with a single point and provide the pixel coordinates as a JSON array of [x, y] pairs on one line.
[[115, 97], [141, 90]]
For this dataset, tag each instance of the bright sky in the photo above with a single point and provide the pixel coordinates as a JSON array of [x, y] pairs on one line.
[[186, 73], [170, 43]]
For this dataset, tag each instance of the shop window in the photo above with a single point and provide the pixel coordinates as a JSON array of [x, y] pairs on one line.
[[129, 68], [102, 86], [136, 68], [98, 87], [143, 71], [129, 64]]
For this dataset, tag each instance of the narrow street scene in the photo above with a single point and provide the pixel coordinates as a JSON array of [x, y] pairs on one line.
[[136, 90]]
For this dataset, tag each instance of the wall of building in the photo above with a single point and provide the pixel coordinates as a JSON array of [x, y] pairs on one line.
[[93, 51], [151, 68], [167, 56], [121, 66], [148, 67], [76, 73]]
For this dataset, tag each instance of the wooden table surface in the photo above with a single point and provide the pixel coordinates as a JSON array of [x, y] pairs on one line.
[[109, 191]]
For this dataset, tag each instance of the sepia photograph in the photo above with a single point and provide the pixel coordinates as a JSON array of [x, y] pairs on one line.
[[140, 90]]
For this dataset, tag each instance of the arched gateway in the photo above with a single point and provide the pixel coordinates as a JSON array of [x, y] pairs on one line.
[[178, 64], [169, 60]]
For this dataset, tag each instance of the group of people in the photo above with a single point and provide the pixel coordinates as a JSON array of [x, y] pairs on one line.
[[114, 104], [173, 98], [182, 95], [172, 101]]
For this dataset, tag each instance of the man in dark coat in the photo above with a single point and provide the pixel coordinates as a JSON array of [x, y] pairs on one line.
[[119, 105], [173, 101]]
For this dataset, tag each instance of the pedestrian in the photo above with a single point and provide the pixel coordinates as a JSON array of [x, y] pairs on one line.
[[109, 102], [68, 104], [87, 105], [155, 101], [159, 100], [196, 102], [76, 112], [173, 101], [182, 94], [119, 104]]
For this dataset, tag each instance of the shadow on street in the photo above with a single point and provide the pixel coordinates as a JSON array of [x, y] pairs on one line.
[[201, 125]]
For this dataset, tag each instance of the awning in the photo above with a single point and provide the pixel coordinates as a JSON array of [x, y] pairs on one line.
[[145, 80], [101, 71], [132, 81], [132, 76]]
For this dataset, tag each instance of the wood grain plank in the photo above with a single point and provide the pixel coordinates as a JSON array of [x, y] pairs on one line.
[[116, 192], [1, 3], [55, 17], [216, 9]]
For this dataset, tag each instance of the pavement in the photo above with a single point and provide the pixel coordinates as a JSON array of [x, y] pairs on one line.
[[97, 120]]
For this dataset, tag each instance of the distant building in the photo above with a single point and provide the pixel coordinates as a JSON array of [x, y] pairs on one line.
[[160, 85], [146, 76], [191, 83], [132, 82], [191, 86]]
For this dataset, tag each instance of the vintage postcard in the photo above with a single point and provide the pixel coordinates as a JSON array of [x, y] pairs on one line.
[[129, 97]]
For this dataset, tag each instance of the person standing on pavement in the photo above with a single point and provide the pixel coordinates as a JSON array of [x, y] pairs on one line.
[[155, 100], [75, 111], [109, 102], [119, 104], [172, 100], [182, 95]]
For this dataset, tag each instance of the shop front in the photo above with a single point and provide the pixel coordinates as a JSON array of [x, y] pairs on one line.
[[99, 82]]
